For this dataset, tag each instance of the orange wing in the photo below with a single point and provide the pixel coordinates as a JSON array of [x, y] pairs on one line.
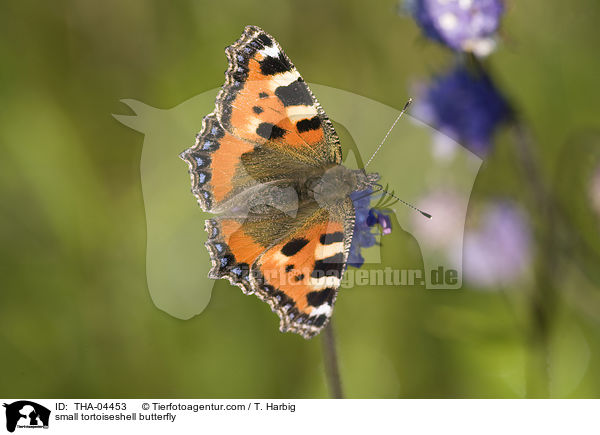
[[266, 126], [214, 161], [266, 101], [299, 276]]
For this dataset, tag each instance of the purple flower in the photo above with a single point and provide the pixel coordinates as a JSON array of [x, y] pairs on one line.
[[374, 217], [365, 219], [465, 106], [462, 25], [499, 251]]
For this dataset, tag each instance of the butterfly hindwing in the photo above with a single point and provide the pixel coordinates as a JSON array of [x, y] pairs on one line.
[[238, 236], [294, 263], [300, 275]]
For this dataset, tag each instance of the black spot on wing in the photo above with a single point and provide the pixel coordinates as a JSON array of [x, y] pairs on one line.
[[299, 277], [267, 42], [269, 131], [328, 239], [274, 65], [294, 94], [313, 123], [330, 266], [319, 321], [263, 95], [258, 110], [293, 247], [289, 267], [318, 298], [225, 262]]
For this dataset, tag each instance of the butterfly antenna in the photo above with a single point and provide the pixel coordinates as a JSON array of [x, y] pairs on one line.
[[390, 130], [427, 215]]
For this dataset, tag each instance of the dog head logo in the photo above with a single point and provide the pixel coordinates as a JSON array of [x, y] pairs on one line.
[[175, 224], [25, 413]]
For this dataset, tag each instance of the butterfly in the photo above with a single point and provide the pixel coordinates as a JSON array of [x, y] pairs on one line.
[[268, 164]]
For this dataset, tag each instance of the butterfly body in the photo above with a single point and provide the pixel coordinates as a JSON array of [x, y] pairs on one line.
[[338, 182], [267, 162]]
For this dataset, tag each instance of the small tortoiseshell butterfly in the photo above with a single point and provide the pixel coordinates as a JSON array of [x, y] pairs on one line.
[[267, 162]]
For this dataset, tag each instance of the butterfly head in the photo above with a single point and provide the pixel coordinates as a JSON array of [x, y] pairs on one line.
[[338, 182], [365, 180]]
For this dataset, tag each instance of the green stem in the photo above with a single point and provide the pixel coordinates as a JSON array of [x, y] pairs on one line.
[[543, 297], [332, 371]]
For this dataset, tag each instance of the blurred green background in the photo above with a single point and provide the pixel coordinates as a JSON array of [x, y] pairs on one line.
[[76, 319]]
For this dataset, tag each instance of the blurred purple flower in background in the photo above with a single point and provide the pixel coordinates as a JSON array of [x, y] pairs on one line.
[[464, 105], [498, 252], [366, 218], [462, 25], [442, 232], [466, 108]]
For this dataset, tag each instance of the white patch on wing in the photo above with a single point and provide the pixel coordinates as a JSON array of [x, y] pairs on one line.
[[326, 251], [297, 113], [321, 309], [324, 282], [252, 125], [285, 78], [272, 51]]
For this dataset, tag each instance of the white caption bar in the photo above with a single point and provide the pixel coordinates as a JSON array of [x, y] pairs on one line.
[[249, 416]]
